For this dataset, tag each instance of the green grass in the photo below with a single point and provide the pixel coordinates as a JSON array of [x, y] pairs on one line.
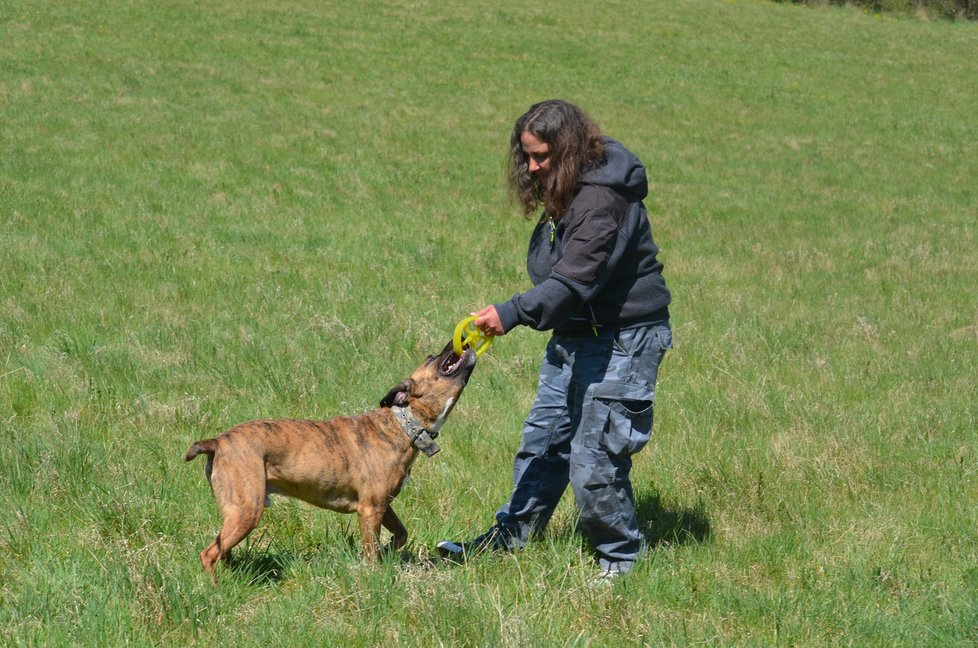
[[223, 211]]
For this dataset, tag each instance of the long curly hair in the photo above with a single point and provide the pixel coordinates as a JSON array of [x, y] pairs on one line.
[[575, 146]]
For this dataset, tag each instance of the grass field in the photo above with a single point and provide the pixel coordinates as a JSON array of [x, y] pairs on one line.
[[213, 212]]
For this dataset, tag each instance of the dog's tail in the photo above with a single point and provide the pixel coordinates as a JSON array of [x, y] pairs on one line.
[[204, 446]]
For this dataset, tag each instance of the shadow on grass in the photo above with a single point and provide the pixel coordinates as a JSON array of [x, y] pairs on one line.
[[264, 563], [267, 563], [261, 567], [661, 525]]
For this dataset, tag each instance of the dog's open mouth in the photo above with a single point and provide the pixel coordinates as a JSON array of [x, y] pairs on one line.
[[452, 363]]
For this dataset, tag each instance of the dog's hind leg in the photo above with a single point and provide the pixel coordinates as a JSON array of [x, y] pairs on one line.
[[238, 523], [241, 499]]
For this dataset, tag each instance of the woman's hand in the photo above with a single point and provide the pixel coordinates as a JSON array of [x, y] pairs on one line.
[[487, 320]]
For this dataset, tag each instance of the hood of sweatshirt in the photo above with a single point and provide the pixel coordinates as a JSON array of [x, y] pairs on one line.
[[620, 170]]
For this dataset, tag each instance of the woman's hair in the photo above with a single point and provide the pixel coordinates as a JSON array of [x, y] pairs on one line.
[[575, 145]]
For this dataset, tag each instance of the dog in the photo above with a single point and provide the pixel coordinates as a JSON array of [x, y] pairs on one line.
[[345, 464]]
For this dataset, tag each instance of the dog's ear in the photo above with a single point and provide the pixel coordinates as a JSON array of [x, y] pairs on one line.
[[398, 395]]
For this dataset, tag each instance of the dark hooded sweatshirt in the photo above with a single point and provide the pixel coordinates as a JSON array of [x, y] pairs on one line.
[[596, 265]]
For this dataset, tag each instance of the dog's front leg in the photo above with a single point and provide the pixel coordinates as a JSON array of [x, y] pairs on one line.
[[393, 524], [370, 520]]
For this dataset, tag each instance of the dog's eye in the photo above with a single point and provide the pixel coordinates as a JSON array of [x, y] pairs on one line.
[[429, 360]]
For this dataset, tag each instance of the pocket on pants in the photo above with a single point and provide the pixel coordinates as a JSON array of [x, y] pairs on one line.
[[622, 416]]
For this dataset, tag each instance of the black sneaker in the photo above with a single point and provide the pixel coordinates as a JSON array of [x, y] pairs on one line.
[[495, 539]]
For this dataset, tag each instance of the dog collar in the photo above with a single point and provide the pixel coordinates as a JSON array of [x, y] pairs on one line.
[[420, 437]]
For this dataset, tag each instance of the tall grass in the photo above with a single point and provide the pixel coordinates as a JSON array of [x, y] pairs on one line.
[[953, 9], [223, 211]]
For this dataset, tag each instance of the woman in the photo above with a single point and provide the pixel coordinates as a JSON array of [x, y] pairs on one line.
[[599, 287]]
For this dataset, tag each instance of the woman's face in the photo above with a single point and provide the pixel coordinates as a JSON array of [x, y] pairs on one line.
[[537, 153]]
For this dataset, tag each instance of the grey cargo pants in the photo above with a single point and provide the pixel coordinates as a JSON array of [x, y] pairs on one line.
[[593, 411]]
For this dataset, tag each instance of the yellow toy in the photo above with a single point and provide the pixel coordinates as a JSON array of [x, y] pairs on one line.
[[468, 336]]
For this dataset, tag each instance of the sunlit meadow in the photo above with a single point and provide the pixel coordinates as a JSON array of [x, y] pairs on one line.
[[213, 212]]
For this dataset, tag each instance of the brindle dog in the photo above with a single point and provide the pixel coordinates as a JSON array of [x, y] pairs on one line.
[[346, 464]]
